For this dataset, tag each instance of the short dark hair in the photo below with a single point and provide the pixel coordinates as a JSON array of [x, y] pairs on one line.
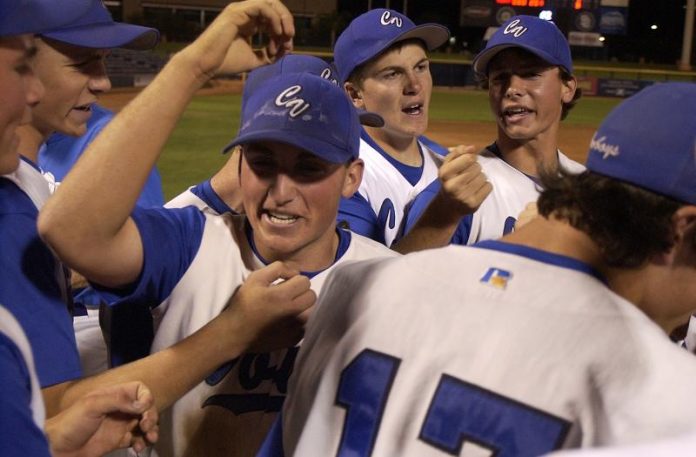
[[358, 74], [629, 224], [565, 75]]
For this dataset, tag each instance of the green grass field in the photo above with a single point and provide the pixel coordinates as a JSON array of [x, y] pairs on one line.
[[210, 122]]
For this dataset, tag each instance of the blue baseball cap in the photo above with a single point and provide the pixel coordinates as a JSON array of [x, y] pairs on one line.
[[97, 29], [649, 140], [303, 110], [541, 38], [372, 33], [298, 63], [18, 17]]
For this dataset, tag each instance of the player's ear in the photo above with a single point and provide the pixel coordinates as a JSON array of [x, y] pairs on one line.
[[353, 178], [568, 88], [355, 94], [684, 250]]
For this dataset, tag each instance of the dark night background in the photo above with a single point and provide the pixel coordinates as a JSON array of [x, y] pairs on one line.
[[661, 46]]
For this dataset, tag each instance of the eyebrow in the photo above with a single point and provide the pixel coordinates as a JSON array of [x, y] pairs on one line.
[[30, 52]]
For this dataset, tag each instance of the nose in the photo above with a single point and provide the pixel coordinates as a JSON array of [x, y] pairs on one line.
[[515, 87], [413, 84], [99, 81], [283, 189], [33, 88]]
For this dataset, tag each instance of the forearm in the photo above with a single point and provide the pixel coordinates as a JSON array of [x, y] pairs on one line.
[[172, 372], [434, 229]]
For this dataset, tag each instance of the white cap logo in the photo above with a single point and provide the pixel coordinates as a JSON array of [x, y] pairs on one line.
[[287, 99], [387, 19], [327, 75], [516, 30], [600, 145]]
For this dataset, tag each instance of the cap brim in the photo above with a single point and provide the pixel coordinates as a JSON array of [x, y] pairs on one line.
[[108, 35], [434, 35], [292, 138], [484, 57]]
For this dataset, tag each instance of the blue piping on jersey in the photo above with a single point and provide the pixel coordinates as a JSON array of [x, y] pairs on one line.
[[344, 238], [30, 162], [205, 192], [541, 256], [411, 174]]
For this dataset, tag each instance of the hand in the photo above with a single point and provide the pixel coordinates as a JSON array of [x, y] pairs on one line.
[[271, 307], [463, 181], [107, 418], [224, 47], [528, 213]]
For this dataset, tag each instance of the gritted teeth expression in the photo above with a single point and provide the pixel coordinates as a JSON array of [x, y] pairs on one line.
[[20, 89], [290, 197], [74, 77], [397, 85]]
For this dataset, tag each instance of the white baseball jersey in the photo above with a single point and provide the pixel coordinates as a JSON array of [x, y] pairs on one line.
[[194, 261], [497, 215], [497, 349], [387, 188], [674, 447], [203, 197]]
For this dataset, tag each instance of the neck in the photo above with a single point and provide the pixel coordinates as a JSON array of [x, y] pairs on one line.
[[30, 141], [402, 148], [530, 156], [318, 255]]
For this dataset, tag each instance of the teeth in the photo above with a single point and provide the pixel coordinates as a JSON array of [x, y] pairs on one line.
[[281, 218], [513, 111], [412, 109]]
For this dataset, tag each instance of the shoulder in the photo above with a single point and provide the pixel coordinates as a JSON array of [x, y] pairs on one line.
[[366, 248]]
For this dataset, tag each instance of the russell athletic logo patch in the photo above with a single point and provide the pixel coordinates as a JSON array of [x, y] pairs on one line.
[[497, 278]]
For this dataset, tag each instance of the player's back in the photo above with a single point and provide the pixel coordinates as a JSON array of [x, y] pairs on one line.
[[465, 350]]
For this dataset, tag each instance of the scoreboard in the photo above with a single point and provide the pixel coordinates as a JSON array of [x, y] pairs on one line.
[[585, 16]]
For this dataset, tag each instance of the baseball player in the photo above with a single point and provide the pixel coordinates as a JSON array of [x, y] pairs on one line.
[[255, 307], [70, 63], [299, 137], [400, 358], [527, 69], [673, 447], [22, 412], [382, 62]]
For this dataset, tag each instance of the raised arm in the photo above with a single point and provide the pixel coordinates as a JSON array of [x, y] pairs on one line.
[[87, 222], [463, 189]]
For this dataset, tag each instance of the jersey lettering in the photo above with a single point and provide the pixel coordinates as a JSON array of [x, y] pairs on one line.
[[387, 214], [253, 370], [459, 412], [509, 226]]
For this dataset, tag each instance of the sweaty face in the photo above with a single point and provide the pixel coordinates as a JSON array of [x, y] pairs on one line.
[[74, 77], [291, 201], [526, 95], [397, 85], [19, 90]]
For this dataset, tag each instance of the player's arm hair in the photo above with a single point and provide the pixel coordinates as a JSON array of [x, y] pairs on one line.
[[630, 225]]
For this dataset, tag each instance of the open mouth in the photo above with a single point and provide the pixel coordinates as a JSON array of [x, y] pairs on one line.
[[413, 110], [516, 111], [85, 108], [280, 218]]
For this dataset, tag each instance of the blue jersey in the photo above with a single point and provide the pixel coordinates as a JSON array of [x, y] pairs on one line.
[[60, 153], [33, 283], [21, 405]]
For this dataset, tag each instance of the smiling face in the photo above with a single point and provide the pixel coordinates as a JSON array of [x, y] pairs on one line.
[[526, 94], [291, 198], [396, 85], [19, 90], [74, 77]]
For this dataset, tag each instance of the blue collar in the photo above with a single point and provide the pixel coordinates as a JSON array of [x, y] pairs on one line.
[[344, 237], [541, 256], [412, 174]]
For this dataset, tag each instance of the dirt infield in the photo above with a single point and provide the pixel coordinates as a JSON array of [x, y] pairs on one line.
[[574, 139]]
